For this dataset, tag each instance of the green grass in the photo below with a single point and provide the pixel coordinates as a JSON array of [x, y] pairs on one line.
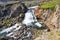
[[25, 0], [50, 5], [57, 1], [51, 33], [58, 33], [58, 38]]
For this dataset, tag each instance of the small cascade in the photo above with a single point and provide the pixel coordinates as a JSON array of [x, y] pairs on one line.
[[30, 19], [18, 31], [7, 30]]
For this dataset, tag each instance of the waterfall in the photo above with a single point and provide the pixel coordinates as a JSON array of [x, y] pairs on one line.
[[30, 19], [10, 29]]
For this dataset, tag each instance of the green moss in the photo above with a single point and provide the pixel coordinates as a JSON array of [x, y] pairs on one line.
[[58, 38], [57, 1], [25, 0], [1, 23], [58, 33], [7, 22], [51, 33], [50, 5]]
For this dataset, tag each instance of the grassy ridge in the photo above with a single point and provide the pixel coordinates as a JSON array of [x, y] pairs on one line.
[[50, 5]]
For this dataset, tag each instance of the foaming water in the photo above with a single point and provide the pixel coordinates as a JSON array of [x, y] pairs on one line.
[[30, 18]]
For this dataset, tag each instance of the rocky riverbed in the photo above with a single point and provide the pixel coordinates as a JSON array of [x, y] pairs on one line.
[[30, 22]]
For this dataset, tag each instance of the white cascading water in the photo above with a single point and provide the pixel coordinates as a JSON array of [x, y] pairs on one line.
[[30, 18]]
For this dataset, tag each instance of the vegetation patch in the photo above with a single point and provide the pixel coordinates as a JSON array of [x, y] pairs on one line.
[[50, 5], [58, 33], [57, 1], [51, 33], [7, 22], [59, 38]]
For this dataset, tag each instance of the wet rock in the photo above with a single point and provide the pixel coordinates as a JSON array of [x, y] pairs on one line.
[[3, 39], [20, 9], [20, 34]]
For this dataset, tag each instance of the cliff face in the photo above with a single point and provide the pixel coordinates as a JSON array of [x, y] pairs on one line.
[[49, 17]]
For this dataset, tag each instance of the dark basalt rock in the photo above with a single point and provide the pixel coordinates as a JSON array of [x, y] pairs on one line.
[[3, 39], [6, 9], [21, 9], [4, 0]]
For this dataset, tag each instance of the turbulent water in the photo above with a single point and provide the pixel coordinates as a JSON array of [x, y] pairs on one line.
[[6, 31], [28, 21], [30, 18]]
